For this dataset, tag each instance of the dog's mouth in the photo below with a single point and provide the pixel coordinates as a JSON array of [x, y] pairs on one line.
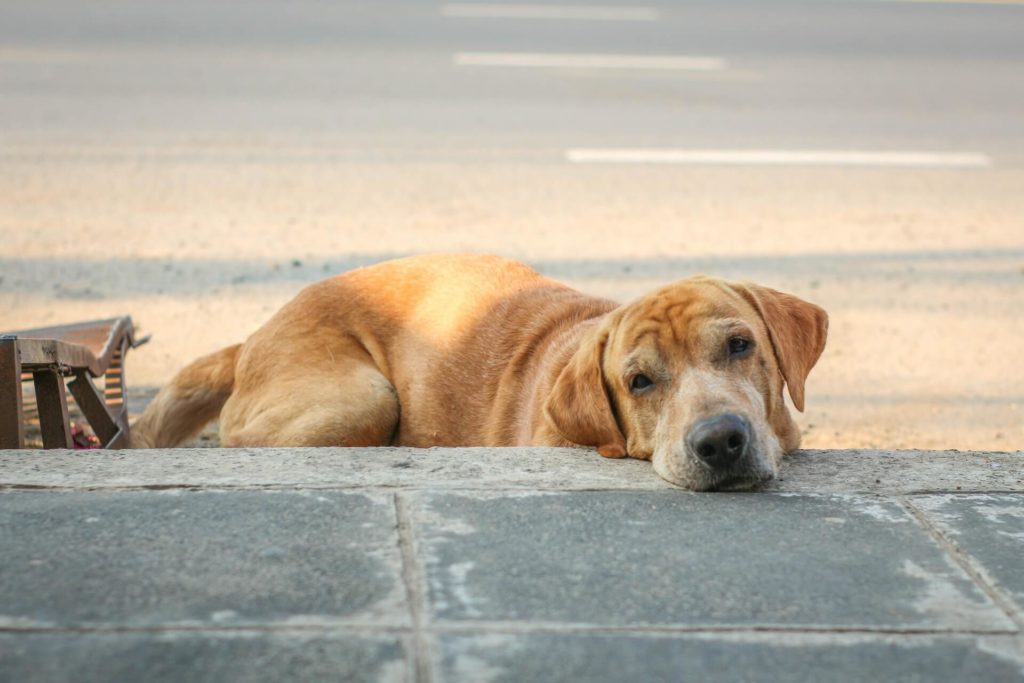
[[745, 476], [748, 474], [744, 482], [684, 469]]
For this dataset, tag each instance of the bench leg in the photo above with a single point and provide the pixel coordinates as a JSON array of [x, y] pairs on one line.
[[94, 408], [53, 409], [12, 431]]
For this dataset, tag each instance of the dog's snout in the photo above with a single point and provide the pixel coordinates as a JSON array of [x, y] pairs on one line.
[[720, 441]]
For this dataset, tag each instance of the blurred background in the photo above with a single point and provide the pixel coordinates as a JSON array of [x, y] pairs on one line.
[[196, 163]]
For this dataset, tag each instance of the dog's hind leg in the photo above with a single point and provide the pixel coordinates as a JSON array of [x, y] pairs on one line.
[[346, 402]]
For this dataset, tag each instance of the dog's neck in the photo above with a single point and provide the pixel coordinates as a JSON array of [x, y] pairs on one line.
[[565, 342]]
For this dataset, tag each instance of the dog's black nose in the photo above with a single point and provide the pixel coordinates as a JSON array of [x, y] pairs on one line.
[[721, 440]]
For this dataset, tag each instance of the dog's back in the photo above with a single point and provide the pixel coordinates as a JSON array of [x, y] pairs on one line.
[[427, 350]]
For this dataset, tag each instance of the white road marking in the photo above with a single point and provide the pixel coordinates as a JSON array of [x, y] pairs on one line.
[[585, 12], [778, 157], [959, 2], [589, 61]]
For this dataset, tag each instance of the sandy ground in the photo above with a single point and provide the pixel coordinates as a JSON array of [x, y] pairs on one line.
[[921, 271]]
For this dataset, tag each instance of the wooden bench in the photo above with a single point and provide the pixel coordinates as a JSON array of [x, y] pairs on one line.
[[48, 355]]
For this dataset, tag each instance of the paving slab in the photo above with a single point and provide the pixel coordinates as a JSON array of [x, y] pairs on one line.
[[180, 558], [201, 657], [675, 559], [988, 527], [505, 564], [499, 657], [864, 471]]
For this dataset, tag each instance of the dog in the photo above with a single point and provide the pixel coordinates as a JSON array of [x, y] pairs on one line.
[[475, 350]]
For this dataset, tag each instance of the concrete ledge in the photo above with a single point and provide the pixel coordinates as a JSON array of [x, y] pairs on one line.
[[513, 564], [839, 471]]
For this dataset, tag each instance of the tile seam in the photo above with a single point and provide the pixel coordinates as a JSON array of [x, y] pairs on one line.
[[967, 562], [415, 591]]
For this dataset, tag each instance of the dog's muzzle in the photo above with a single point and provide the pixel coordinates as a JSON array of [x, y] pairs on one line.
[[720, 442], [725, 448]]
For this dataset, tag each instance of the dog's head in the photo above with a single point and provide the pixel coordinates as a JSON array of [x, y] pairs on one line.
[[691, 378]]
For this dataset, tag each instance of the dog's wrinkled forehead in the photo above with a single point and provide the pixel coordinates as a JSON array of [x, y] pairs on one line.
[[677, 318]]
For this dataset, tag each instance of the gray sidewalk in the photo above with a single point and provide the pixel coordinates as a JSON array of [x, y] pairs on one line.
[[506, 564]]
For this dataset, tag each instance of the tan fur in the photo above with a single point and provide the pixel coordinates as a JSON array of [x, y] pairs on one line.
[[450, 350], [193, 398]]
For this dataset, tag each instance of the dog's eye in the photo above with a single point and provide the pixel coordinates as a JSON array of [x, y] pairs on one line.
[[639, 383], [738, 346]]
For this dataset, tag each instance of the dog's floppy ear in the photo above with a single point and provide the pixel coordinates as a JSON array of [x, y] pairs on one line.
[[578, 405], [798, 330]]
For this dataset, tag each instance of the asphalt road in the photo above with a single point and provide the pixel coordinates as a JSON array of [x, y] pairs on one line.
[[195, 163], [377, 79]]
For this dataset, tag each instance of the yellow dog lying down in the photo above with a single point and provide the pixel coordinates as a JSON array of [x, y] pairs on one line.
[[461, 350]]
